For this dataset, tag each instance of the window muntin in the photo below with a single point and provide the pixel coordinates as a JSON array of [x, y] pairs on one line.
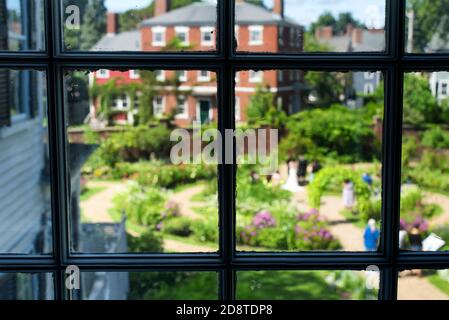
[[276, 210], [387, 291], [26, 286], [132, 209], [117, 26]]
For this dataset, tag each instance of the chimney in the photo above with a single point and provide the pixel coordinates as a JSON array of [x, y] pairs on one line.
[[324, 33], [112, 23], [278, 7], [161, 7], [357, 36]]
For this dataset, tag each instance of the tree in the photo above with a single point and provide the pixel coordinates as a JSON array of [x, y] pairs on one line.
[[262, 109], [430, 19], [326, 87], [338, 25], [93, 26]]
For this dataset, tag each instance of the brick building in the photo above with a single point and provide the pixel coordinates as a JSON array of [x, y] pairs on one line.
[[258, 29]]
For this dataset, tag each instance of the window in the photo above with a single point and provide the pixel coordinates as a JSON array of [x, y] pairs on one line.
[[134, 74], [256, 76], [102, 74], [182, 75], [183, 35], [159, 106], [368, 88], [158, 36], [43, 167], [444, 87], [203, 76], [255, 35], [369, 75], [207, 36], [160, 75], [182, 111]]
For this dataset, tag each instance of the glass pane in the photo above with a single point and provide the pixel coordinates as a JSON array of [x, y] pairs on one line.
[[307, 285], [26, 286], [25, 213], [22, 26], [425, 173], [135, 25], [148, 286], [427, 26], [315, 184], [135, 184], [423, 285], [297, 26]]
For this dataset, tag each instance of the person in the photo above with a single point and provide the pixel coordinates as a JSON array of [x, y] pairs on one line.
[[292, 181], [367, 179], [415, 239], [276, 178], [302, 170], [371, 236], [316, 167], [254, 177], [348, 194]]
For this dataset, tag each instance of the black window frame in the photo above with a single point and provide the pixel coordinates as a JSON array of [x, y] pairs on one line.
[[393, 62]]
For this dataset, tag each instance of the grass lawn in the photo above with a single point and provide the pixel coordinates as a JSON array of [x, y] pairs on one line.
[[90, 192], [441, 284]]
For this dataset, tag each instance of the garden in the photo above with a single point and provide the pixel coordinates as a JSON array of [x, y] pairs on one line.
[[174, 208]]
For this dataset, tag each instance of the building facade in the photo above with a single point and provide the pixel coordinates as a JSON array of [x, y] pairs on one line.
[[192, 28]]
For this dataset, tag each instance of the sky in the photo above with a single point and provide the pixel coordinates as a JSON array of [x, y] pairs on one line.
[[371, 12]]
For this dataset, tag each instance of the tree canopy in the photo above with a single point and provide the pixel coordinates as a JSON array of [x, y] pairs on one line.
[[338, 24]]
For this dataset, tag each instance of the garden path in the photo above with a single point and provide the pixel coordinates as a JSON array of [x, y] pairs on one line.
[[96, 208], [184, 200], [443, 202], [178, 246], [415, 288]]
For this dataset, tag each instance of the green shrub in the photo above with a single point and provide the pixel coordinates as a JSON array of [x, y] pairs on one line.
[[179, 226], [436, 138], [206, 230], [150, 241]]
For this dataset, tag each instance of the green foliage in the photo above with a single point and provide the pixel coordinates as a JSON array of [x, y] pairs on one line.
[[339, 25], [141, 205], [206, 230], [430, 20], [178, 226], [312, 45], [148, 242], [93, 26], [262, 109], [436, 138], [337, 132], [327, 87]]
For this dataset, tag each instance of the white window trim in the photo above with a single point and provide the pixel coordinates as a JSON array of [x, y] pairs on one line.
[[253, 79], [186, 30], [255, 28], [119, 103], [160, 77], [369, 75], [182, 78], [210, 31], [446, 82], [162, 106], [368, 88], [185, 114], [134, 74], [155, 30], [202, 78], [237, 108], [98, 74], [236, 31]]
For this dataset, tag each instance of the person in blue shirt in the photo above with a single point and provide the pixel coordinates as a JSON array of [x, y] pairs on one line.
[[371, 236], [367, 179]]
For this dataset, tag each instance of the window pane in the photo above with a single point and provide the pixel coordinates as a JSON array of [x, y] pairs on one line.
[[307, 285], [26, 286], [25, 213], [135, 184], [148, 286], [145, 26], [22, 25], [314, 182], [425, 173], [423, 285], [427, 26], [297, 26]]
